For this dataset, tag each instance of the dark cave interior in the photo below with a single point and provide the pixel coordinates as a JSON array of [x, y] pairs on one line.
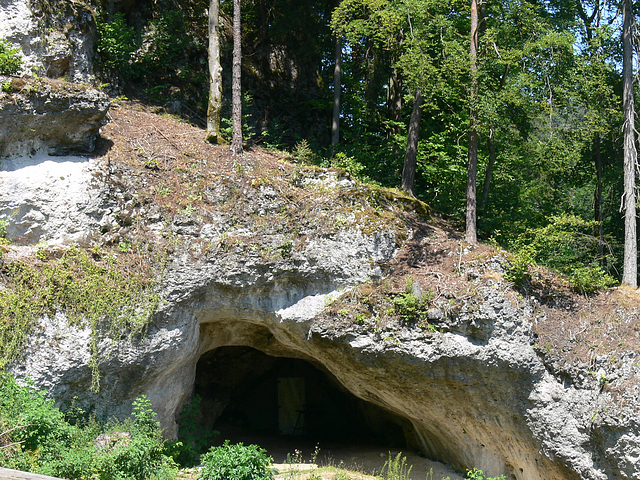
[[247, 394]]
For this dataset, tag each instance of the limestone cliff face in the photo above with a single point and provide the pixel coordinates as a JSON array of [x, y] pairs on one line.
[[56, 38], [470, 391], [54, 117]]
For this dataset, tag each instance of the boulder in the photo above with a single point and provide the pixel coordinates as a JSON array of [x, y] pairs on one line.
[[66, 50]]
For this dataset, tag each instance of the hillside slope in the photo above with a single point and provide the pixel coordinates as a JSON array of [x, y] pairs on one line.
[[257, 258]]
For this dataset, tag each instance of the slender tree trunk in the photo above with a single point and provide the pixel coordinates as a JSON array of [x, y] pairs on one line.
[[471, 232], [337, 86], [630, 265], [410, 157], [236, 142], [488, 173], [394, 102], [215, 75], [395, 97], [597, 199]]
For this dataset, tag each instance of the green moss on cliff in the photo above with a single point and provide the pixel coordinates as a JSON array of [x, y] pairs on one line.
[[89, 287]]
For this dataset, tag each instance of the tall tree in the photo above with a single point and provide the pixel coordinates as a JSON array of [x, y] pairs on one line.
[[215, 74], [410, 157], [236, 91], [590, 22], [630, 262], [471, 230], [337, 86]]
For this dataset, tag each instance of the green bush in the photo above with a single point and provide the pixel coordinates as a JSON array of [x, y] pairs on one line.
[[410, 307], [35, 427], [35, 436], [238, 461], [117, 42], [519, 265], [192, 438], [144, 455], [477, 474], [567, 245], [167, 41], [10, 60]]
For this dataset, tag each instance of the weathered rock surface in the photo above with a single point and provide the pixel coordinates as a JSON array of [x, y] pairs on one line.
[[472, 393], [52, 199], [55, 117], [56, 38]]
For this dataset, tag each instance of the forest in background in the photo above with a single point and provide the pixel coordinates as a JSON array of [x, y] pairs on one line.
[[547, 106]]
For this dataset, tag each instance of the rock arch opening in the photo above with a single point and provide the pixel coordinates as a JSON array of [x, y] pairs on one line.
[[247, 394]]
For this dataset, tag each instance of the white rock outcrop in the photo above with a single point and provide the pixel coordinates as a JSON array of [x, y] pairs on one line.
[[54, 43]]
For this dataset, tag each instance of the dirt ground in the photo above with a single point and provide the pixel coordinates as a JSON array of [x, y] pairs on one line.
[[293, 452]]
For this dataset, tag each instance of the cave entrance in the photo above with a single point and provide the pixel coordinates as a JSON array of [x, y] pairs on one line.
[[252, 397]]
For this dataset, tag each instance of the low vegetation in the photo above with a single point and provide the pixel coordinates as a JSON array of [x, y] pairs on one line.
[[238, 461], [10, 59], [567, 245], [38, 437], [108, 292]]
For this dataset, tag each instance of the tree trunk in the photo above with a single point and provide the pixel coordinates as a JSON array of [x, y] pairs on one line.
[[395, 97], [471, 231], [410, 157], [337, 85], [236, 142], [215, 75], [630, 266]]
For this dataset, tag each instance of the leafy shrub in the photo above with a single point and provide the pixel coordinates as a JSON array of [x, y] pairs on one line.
[[192, 438], [238, 461], [117, 42], [590, 278], [37, 428], [410, 308], [36, 437], [10, 60], [166, 43], [518, 270], [144, 455], [3, 233], [350, 164], [477, 474], [565, 244]]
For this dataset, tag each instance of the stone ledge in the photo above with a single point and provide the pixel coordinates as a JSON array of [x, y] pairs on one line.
[[50, 116]]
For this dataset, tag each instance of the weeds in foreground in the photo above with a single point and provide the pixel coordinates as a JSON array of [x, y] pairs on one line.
[[238, 461], [396, 468]]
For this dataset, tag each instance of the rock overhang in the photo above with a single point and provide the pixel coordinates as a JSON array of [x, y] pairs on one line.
[[473, 387]]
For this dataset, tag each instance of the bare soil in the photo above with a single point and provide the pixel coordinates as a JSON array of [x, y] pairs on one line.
[[299, 453]]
